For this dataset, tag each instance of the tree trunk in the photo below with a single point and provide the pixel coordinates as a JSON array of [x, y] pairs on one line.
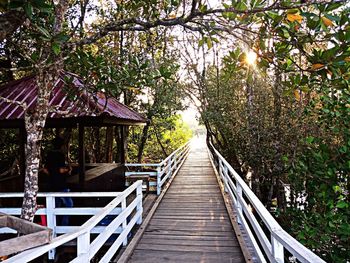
[[35, 120], [34, 124], [160, 144], [143, 142], [121, 136], [278, 165]]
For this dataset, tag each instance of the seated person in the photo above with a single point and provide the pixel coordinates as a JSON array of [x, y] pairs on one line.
[[59, 170]]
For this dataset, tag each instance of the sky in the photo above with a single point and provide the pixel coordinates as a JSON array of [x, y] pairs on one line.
[[190, 116]]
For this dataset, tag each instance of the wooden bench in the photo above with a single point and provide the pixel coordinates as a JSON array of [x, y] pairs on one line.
[[32, 235], [95, 172]]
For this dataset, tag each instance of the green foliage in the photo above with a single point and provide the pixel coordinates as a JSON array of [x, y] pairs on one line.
[[164, 137], [288, 119], [9, 149], [285, 119]]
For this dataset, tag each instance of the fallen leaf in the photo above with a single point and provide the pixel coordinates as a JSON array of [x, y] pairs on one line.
[[297, 94], [294, 17], [347, 59]]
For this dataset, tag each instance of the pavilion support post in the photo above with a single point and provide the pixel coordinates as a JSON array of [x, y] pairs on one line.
[[109, 144], [81, 160], [120, 138], [124, 144]]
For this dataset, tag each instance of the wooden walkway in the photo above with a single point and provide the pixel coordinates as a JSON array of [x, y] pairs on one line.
[[191, 223]]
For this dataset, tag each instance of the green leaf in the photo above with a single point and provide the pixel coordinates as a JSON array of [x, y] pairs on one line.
[[203, 8], [241, 6], [209, 43], [28, 9], [44, 32], [35, 56], [61, 37], [56, 48], [42, 6], [310, 139], [333, 6], [342, 204], [331, 224], [201, 42], [343, 149]]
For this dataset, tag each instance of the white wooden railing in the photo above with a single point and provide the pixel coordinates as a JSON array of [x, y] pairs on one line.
[[165, 169], [269, 245], [126, 216]]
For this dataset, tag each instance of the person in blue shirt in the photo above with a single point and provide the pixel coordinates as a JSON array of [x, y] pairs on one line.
[[58, 170]]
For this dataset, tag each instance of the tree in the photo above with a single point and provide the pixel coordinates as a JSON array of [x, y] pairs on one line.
[[51, 37], [287, 120]]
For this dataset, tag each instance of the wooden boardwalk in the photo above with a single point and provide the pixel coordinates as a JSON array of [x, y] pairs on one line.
[[191, 223]]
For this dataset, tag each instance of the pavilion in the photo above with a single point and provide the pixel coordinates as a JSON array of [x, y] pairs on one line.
[[82, 108]]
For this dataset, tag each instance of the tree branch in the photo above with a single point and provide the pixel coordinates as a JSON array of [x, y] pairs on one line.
[[137, 24], [21, 104]]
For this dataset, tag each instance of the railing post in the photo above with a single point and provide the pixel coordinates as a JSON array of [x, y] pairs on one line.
[[83, 247], [220, 170], [277, 250], [125, 222], [238, 204], [139, 205], [176, 155], [51, 221], [159, 187], [225, 174], [170, 165]]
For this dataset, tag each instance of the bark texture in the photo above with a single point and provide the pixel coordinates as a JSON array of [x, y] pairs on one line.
[[143, 142], [35, 119], [34, 124]]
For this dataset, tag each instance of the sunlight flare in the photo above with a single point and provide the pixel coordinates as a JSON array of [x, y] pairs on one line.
[[251, 57]]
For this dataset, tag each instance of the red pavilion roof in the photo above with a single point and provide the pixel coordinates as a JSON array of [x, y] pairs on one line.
[[70, 96]]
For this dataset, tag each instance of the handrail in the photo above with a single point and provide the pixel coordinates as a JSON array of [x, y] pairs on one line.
[[62, 194], [240, 194], [166, 168], [86, 250]]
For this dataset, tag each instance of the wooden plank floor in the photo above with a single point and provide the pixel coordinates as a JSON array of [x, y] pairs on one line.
[[191, 223]]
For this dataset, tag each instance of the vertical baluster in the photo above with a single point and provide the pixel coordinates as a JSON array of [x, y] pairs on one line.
[[239, 205], [277, 250], [125, 223], [175, 160], [83, 247], [220, 170], [139, 205], [51, 220], [170, 166], [159, 187], [225, 178]]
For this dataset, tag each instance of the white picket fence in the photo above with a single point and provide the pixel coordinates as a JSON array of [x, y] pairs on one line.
[[269, 247], [126, 216], [165, 169]]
